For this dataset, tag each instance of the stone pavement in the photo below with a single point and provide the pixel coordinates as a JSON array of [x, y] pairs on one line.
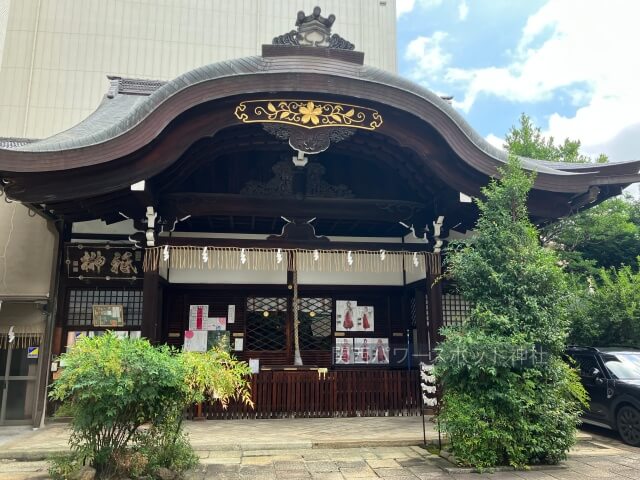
[[596, 461], [8, 433], [599, 455], [593, 459], [251, 435]]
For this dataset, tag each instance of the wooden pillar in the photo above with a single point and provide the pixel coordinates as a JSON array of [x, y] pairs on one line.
[[47, 343], [422, 330], [151, 306]]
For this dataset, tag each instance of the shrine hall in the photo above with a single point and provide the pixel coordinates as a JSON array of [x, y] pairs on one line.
[[291, 207]]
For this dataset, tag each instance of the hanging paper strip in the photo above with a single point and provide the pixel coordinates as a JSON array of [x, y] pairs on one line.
[[338, 261], [21, 340]]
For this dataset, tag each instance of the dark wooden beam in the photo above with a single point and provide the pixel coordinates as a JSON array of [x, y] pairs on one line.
[[151, 306], [201, 204]]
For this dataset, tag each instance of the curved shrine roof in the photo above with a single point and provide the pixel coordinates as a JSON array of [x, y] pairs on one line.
[[135, 112]]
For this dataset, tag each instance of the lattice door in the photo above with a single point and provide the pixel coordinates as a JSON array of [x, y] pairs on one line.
[[315, 316], [266, 323]]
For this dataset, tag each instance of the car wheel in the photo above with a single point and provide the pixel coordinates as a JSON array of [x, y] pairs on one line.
[[628, 423]]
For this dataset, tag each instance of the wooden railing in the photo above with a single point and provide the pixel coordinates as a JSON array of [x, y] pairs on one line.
[[341, 393]]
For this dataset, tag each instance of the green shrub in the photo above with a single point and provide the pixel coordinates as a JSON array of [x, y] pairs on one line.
[[111, 387], [161, 446], [63, 466], [508, 397]]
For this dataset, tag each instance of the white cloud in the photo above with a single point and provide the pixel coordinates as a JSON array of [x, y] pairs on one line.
[[581, 48], [429, 3], [428, 54], [624, 146], [463, 10], [404, 6], [407, 6], [495, 141]]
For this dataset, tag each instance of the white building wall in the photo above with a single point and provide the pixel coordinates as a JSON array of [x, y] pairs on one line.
[[27, 246], [266, 277], [58, 52], [4, 17], [350, 278]]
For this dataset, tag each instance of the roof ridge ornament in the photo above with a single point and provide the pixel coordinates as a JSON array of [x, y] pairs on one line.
[[314, 31]]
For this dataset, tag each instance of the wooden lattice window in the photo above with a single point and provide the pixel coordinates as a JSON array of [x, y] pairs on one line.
[[80, 302], [266, 323], [315, 317], [455, 309]]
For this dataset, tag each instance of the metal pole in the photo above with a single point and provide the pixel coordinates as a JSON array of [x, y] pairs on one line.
[[438, 422], [409, 352], [421, 393]]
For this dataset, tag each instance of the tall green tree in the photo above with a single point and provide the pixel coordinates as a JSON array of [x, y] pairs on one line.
[[503, 403], [526, 140], [608, 311], [604, 236]]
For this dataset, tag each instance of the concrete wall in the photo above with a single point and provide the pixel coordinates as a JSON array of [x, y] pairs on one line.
[[25, 317], [4, 17], [58, 52], [26, 252]]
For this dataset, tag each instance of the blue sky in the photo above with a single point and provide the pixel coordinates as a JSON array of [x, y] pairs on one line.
[[570, 64]]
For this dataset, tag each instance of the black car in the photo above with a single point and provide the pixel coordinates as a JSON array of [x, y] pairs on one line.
[[611, 376]]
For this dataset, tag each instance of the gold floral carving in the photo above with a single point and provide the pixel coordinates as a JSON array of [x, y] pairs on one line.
[[308, 114]]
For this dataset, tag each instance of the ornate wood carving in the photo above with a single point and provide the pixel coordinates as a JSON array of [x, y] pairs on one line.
[[308, 114], [106, 262], [282, 183], [308, 141], [314, 31], [309, 125]]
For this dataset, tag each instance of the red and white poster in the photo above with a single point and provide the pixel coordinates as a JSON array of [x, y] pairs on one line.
[[362, 350], [197, 316], [199, 319], [195, 341], [351, 317], [344, 351], [379, 350], [218, 324]]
